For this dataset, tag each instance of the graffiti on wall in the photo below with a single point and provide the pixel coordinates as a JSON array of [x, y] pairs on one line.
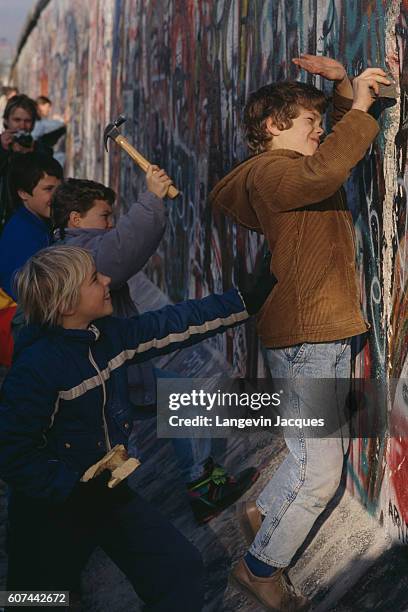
[[181, 72], [67, 57], [398, 348]]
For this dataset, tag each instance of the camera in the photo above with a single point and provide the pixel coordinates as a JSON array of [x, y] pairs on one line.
[[24, 139]]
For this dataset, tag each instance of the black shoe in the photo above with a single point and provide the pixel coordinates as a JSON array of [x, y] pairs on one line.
[[216, 490]]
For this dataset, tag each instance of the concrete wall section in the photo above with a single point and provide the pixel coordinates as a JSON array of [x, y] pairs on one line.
[[68, 56], [181, 71]]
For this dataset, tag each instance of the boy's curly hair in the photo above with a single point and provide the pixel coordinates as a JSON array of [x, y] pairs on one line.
[[282, 102], [77, 195]]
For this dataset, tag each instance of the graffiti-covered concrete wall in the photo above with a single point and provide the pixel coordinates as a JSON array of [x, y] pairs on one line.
[[181, 71]]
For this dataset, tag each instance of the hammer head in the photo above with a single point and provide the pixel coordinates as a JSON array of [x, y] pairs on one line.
[[111, 130]]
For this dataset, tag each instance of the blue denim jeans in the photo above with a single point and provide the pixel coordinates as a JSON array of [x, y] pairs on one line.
[[310, 474]]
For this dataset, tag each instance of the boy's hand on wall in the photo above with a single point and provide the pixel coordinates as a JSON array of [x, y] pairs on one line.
[[326, 67], [157, 181], [329, 69], [365, 84]]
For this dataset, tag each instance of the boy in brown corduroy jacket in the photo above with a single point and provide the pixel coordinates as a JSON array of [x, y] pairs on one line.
[[291, 191]]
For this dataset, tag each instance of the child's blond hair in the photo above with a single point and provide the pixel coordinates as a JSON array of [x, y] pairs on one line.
[[49, 283]]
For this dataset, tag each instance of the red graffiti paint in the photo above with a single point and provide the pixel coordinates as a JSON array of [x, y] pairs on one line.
[[398, 449]]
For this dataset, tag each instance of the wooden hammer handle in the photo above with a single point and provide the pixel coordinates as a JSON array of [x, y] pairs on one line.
[[141, 161]]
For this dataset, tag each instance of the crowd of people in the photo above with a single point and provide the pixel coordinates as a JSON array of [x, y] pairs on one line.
[[79, 353]]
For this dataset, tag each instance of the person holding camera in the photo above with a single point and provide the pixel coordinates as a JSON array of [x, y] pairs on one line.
[[19, 118]]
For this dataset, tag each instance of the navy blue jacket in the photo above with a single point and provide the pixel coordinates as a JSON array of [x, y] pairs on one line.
[[65, 401], [24, 235]]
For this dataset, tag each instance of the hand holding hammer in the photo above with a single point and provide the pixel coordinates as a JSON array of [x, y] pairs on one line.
[[117, 462], [112, 131], [157, 181]]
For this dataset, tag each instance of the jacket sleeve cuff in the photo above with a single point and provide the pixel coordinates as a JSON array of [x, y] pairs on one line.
[[147, 198], [340, 101]]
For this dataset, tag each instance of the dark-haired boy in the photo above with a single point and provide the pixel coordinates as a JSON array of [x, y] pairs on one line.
[[82, 212], [32, 179], [19, 118], [291, 190]]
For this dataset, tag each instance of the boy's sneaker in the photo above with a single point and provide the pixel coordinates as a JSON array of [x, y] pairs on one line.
[[275, 593], [216, 490]]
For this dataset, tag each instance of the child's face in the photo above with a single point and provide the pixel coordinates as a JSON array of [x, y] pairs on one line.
[[39, 202], [44, 110], [100, 216], [94, 301], [303, 136]]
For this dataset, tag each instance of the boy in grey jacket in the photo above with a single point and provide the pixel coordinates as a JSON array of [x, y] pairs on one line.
[[82, 216]]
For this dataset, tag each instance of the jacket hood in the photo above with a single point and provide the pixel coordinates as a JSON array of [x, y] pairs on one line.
[[84, 233], [231, 195]]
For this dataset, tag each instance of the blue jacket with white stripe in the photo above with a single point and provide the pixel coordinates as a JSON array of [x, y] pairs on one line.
[[65, 402]]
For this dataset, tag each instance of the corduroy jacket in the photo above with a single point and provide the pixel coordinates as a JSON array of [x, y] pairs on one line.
[[299, 204]]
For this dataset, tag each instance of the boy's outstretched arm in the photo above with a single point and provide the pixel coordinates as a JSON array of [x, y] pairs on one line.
[[291, 181], [174, 327], [123, 251], [187, 323]]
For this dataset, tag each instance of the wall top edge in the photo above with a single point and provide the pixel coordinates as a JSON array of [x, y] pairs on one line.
[[29, 25]]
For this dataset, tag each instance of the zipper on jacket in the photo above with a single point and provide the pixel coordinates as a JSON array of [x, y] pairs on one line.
[[105, 425]]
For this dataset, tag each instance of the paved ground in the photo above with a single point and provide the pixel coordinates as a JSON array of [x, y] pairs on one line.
[[346, 565]]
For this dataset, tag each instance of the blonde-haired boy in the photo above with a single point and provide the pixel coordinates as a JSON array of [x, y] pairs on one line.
[[50, 287], [65, 404]]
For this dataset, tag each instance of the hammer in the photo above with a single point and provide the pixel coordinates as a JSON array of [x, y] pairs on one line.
[[117, 462], [112, 131]]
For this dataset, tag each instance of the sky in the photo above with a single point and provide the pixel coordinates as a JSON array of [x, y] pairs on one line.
[[13, 14]]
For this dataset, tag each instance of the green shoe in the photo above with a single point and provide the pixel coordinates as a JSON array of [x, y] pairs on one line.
[[216, 490]]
